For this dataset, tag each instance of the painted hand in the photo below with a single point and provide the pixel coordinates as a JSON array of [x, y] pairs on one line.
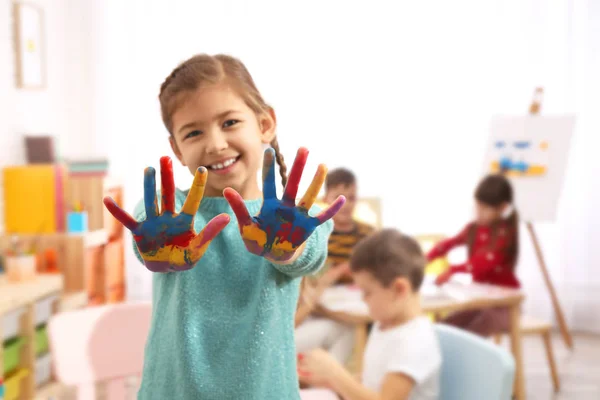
[[281, 226], [167, 240]]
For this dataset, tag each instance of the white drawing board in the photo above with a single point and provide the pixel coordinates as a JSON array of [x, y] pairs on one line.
[[533, 152]]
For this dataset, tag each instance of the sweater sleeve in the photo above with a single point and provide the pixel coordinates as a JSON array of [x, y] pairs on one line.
[[443, 247], [486, 259], [315, 252]]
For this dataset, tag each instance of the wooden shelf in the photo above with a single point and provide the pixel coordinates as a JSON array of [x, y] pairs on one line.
[[14, 296]]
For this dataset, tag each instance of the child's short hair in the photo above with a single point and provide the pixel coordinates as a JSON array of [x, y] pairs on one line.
[[339, 176], [388, 254]]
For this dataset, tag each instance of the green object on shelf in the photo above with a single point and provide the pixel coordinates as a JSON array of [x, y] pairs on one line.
[[12, 354], [41, 340]]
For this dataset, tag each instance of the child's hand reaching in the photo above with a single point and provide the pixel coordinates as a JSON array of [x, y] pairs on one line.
[[282, 227], [318, 368], [166, 240]]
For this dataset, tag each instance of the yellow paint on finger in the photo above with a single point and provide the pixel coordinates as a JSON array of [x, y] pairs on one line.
[[194, 197], [315, 187]]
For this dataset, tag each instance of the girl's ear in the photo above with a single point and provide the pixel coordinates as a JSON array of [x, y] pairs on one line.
[[176, 150], [267, 122]]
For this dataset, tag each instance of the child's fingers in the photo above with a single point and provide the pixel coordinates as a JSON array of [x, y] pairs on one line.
[[291, 189], [237, 205], [194, 197], [121, 216], [269, 186], [315, 187], [150, 200], [330, 211], [212, 229], [168, 184]]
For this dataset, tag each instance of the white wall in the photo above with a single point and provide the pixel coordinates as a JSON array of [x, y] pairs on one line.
[[344, 78], [64, 108]]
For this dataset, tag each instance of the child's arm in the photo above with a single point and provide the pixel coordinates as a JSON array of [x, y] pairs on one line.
[[487, 259], [443, 247], [319, 368]]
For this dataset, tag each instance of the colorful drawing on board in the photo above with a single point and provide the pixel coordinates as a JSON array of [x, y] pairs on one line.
[[520, 158]]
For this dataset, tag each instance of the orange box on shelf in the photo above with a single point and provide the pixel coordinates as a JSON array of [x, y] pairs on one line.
[[114, 263], [94, 265]]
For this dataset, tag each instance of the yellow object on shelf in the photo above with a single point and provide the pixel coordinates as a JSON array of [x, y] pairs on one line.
[[12, 385], [34, 199], [437, 266]]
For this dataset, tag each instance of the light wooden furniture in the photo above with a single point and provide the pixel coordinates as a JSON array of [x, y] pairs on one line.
[[473, 296], [27, 295], [109, 277], [535, 326], [96, 349], [79, 256]]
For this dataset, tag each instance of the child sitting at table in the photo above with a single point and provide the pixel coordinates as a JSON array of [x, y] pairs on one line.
[[492, 241], [346, 230], [402, 358], [313, 329]]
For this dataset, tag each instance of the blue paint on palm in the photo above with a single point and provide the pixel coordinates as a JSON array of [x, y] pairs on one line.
[[163, 229], [284, 223]]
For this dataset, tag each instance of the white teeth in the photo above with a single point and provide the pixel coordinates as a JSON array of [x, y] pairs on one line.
[[225, 164]]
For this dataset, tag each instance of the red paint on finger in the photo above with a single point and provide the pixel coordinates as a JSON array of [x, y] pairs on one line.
[[123, 217], [291, 189], [237, 205], [168, 184]]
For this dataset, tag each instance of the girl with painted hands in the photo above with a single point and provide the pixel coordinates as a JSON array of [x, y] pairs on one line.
[[224, 293]]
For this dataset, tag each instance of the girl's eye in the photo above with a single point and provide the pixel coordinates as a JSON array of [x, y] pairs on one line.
[[192, 134], [229, 123]]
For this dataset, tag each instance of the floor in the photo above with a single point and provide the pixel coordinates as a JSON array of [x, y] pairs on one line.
[[579, 370]]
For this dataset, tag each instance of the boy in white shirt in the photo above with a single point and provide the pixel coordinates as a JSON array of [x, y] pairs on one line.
[[402, 360]]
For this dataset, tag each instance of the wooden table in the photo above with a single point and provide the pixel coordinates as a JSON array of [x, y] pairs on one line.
[[25, 295], [345, 305]]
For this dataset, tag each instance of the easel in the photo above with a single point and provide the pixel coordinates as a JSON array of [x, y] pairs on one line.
[[534, 109]]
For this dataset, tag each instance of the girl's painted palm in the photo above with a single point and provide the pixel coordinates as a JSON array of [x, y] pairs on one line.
[[281, 226], [167, 240]]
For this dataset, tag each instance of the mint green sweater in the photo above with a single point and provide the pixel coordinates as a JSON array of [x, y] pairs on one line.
[[224, 330]]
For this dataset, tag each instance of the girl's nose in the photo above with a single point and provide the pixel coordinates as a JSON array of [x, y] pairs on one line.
[[216, 142]]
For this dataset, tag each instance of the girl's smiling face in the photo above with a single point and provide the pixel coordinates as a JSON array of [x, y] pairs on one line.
[[214, 127]]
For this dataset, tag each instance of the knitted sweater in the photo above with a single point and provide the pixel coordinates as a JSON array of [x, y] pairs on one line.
[[224, 330]]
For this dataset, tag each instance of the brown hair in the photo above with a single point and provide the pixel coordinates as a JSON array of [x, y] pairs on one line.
[[339, 176], [495, 190], [389, 254], [204, 69]]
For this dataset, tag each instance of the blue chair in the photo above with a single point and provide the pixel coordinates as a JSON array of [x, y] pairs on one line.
[[473, 368]]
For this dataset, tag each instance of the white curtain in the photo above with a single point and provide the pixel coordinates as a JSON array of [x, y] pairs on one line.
[[348, 79]]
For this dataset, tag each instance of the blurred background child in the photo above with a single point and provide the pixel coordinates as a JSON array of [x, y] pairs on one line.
[[492, 240]]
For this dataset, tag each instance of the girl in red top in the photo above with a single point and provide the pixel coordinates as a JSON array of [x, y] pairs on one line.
[[492, 241]]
